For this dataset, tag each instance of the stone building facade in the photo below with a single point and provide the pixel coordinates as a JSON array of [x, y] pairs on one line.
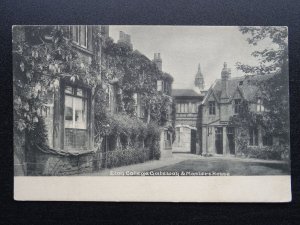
[[164, 86], [222, 101], [68, 112], [187, 102], [69, 109]]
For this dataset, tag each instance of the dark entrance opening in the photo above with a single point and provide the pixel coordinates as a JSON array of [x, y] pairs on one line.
[[230, 137], [193, 141], [219, 140]]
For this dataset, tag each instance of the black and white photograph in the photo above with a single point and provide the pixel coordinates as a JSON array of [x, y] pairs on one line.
[[150, 112], [163, 101]]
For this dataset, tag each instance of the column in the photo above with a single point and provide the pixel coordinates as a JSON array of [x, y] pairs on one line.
[[225, 142]]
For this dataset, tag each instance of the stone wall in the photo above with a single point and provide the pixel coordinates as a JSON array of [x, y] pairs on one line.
[[48, 164], [182, 142]]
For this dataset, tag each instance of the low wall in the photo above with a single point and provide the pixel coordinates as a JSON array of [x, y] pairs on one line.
[[48, 164]]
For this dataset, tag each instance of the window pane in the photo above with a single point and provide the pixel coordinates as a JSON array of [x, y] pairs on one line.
[[212, 109], [79, 92], [80, 113], [75, 33], [83, 39], [256, 136], [68, 90], [250, 136], [159, 85], [135, 98], [68, 112]]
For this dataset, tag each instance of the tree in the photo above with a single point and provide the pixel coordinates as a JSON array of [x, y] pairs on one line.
[[274, 90]]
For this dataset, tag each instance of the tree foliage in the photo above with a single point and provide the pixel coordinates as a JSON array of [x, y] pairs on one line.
[[132, 72], [274, 90], [42, 55]]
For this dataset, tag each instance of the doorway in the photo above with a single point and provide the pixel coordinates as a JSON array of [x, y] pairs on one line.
[[219, 140], [193, 141]]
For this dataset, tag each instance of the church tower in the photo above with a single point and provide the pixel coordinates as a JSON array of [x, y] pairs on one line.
[[199, 80]]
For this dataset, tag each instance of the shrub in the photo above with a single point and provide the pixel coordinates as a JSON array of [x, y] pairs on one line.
[[153, 140], [277, 152], [126, 157], [155, 149]]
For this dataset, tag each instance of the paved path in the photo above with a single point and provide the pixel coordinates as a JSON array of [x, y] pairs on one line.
[[146, 166], [179, 159]]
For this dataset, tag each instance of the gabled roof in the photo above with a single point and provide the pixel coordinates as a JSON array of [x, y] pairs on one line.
[[185, 93], [247, 85]]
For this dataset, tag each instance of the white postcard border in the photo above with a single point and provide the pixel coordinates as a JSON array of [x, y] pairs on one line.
[[155, 189]]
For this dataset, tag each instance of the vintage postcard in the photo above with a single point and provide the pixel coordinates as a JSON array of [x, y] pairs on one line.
[[151, 113]]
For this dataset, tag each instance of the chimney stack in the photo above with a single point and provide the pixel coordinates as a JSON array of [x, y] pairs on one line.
[[157, 60], [225, 75], [125, 39]]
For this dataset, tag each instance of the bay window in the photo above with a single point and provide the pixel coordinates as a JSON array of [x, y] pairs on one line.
[[75, 118]]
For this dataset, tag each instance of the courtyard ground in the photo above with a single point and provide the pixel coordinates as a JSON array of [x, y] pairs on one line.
[[230, 166], [182, 162]]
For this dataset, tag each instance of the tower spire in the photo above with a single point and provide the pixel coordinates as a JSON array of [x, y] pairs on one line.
[[199, 80]]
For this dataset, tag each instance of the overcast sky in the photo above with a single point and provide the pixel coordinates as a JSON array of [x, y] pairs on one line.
[[182, 48]]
